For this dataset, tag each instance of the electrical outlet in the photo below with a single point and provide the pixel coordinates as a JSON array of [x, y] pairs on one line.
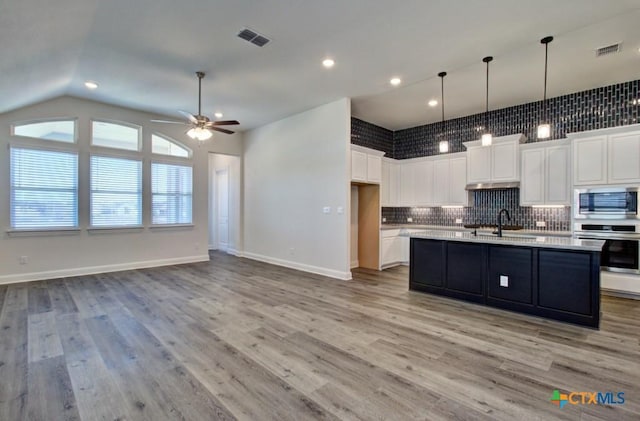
[[458, 220], [23, 260], [339, 210], [409, 219], [292, 251], [504, 281], [384, 219], [541, 224]]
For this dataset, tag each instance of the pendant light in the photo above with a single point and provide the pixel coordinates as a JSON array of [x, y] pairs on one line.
[[544, 129], [487, 138], [444, 144]]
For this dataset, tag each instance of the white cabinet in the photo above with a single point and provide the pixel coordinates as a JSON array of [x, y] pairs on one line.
[[544, 178], [407, 184], [441, 182], [498, 163], [479, 164], [590, 160], [607, 156], [458, 195], [390, 183], [392, 248], [423, 182], [624, 158], [366, 165]]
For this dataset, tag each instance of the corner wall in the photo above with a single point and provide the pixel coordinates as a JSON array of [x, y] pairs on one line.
[[293, 168]]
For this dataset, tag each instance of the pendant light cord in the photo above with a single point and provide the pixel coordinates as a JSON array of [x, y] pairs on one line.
[[487, 60]]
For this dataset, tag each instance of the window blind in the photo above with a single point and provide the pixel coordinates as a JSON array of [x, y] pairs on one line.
[[116, 192], [172, 191], [44, 189]]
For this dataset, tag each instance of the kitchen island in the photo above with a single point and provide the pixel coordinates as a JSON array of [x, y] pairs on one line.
[[553, 277]]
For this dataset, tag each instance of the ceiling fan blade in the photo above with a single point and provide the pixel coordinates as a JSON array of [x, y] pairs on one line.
[[189, 116], [169, 121], [225, 122], [219, 129]]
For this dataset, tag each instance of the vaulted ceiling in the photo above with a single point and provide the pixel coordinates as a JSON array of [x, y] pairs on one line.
[[144, 54]]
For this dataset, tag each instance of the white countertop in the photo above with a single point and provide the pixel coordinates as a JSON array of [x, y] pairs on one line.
[[487, 231], [512, 240]]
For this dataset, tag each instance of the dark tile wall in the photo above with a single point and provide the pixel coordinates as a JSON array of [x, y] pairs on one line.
[[609, 106], [371, 136], [486, 205]]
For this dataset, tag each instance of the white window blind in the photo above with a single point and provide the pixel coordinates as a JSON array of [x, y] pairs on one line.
[[116, 192], [44, 189], [171, 188]]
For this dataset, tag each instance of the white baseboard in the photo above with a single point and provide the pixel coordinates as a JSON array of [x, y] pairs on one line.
[[92, 270], [234, 252], [355, 264], [345, 276]]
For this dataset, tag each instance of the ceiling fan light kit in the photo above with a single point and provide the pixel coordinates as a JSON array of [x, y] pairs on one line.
[[544, 129], [487, 138], [202, 127]]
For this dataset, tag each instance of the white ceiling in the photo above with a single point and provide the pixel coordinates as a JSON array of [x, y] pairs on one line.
[[144, 54]]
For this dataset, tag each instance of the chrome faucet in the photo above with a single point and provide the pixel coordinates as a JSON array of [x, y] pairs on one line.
[[499, 222]]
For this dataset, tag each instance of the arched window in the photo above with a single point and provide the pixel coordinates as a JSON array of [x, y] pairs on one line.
[[58, 130], [163, 145]]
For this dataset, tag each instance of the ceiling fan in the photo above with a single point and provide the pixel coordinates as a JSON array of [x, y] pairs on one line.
[[201, 126]]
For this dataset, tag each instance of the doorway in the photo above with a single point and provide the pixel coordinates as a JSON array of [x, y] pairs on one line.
[[225, 192], [222, 209]]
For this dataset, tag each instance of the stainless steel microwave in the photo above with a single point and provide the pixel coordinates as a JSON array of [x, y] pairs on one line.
[[606, 203]]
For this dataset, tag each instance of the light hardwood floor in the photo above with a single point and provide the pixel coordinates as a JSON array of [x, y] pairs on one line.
[[238, 339]]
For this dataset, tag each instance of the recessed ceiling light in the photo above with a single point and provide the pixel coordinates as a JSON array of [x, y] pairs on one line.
[[395, 81], [91, 84], [218, 115], [328, 63], [433, 102]]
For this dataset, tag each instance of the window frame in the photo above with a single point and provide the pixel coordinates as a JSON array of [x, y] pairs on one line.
[[169, 160], [189, 156], [130, 157], [12, 129], [57, 147], [137, 127]]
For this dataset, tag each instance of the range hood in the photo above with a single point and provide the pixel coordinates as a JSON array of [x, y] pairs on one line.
[[490, 186]]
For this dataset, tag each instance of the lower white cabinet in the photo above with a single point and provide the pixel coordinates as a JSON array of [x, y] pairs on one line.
[[394, 246]]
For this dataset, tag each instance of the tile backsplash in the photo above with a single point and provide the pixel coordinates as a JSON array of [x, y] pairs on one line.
[[486, 205], [608, 106]]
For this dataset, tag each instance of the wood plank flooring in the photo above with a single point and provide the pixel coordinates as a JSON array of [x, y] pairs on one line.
[[238, 339]]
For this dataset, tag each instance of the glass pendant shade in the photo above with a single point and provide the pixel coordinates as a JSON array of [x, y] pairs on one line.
[[487, 138], [544, 131], [444, 146], [199, 133]]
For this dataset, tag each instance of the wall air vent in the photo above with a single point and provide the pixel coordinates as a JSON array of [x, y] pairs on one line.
[[253, 37], [609, 49]]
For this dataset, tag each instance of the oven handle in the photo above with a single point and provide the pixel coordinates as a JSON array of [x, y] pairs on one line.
[[606, 236]]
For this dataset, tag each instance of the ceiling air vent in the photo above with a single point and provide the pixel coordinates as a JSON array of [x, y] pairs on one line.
[[253, 37], [609, 49]]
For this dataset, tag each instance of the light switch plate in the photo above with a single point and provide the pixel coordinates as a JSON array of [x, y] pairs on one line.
[[504, 281], [326, 209]]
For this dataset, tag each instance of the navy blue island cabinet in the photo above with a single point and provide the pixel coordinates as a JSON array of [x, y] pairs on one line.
[[555, 283]]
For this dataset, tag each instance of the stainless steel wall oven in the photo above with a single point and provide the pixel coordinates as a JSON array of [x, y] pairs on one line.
[[621, 250]]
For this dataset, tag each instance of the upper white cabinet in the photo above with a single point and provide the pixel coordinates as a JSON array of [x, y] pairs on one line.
[[366, 165], [545, 171], [497, 163], [607, 156], [430, 181]]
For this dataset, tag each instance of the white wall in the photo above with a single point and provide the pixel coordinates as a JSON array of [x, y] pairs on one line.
[[233, 165], [55, 255], [292, 169]]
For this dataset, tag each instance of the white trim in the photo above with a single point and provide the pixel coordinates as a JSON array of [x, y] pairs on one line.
[[235, 252], [91, 270], [345, 276]]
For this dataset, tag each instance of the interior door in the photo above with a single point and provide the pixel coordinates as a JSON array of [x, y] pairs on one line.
[[222, 209]]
